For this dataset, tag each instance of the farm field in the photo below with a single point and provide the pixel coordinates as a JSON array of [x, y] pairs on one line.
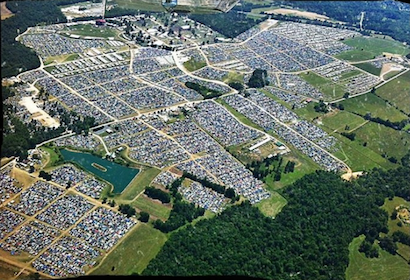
[[386, 266], [133, 254], [369, 47], [384, 140], [330, 90], [371, 103], [397, 91]]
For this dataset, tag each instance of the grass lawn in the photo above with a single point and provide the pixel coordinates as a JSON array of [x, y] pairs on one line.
[[61, 58], [192, 65], [152, 207], [370, 47], [143, 179], [397, 91], [389, 206], [369, 68], [385, 267], [308, 112], [272, 206], [338, 120], [53, 156], [371, 103], [329, 89], [355, 155], [91, 30], [384, 140], [134, 253], [233, 77]]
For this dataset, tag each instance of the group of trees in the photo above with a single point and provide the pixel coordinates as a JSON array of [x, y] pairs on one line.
[[270, 167], [229, 24], [258, 79], [304, 241], [155, 193], [321, 107], [203, 90]]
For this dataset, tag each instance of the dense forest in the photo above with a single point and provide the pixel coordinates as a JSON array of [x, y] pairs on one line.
[[388, 17], [229, 24], [308, 240]]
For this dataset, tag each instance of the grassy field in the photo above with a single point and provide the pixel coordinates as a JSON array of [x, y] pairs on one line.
[[90, 30], [397, 91], [192, 65], [134, 253], [308, 112], [339, 120], [389, 206], [385, 267], [152, 207], [355, 155], [60, 59], [384, 140], [371, 103], [52, 158], [272, 206], [370, 47], [329, 89], [143, 179], [369, 68]]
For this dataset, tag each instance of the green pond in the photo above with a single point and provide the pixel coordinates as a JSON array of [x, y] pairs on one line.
[[118, 175]]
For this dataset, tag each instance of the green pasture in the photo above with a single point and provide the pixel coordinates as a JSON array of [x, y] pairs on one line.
[[371, 103], [368, 67], [134, 253], [397, 91], [339, 120], [154, 208], [385, 267], [384, 140]]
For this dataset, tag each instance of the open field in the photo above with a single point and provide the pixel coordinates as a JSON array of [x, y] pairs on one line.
[[139, 183], [60, 59], [192, 65], [397, 91], [90, 30], [272, 206], [389, 206], [290, 12], [329, 89], [308, 112], [370, 47], [371, 103], [355, 155], [384, 140], [340, 120], [385, 267], [366, 66], [154, 208], [133, 254], [5, 13]]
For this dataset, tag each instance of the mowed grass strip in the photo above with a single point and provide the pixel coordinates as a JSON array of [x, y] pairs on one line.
[[154, 208], [397, 91], [376, 106], [134, 253], [138, 184], [385, 267], [384, 140]]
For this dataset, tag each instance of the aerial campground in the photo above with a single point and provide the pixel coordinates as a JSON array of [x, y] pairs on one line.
[[254, 138]]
